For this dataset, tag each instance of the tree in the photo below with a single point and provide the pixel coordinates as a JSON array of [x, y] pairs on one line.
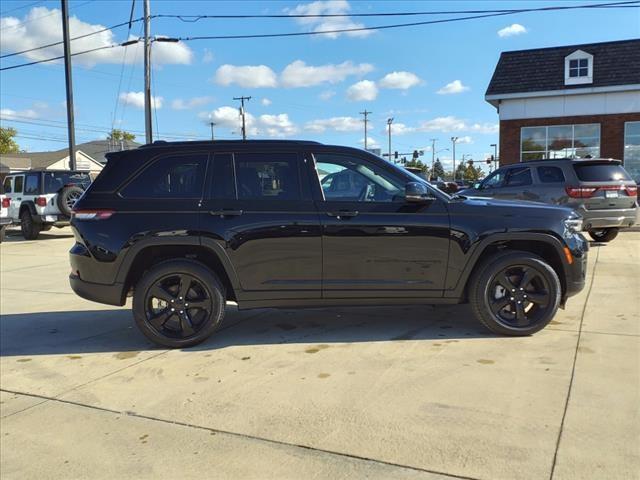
[[417, 164], [461, 169], [7, 143], [118, 136], [438, 169], [473, 174]]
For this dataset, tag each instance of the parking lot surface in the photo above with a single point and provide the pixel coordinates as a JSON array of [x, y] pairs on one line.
[[416, 392]]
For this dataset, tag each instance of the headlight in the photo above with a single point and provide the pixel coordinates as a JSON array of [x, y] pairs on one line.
[[572, 226]]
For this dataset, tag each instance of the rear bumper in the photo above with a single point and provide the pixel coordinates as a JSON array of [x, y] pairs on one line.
[[4, 221], [56, 219], [97, 292], [626, 217]]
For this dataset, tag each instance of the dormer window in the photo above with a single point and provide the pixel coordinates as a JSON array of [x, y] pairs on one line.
[[578, 68]]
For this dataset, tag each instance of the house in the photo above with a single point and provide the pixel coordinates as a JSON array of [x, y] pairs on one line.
[[579, 101], [97, 149], [58, 160]]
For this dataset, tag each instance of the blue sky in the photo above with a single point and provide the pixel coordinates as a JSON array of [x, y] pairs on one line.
[[430, 79]]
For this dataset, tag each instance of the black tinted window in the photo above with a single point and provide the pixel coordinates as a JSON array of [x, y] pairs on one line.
[[267, 176], [32, 185], [600, 172], [55, 181], [222, 182], [550, 174], [518, 177], [17, 184], [179, 176], [6, 185]]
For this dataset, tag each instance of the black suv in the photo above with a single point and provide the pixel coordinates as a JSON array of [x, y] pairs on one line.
[[185, 227]]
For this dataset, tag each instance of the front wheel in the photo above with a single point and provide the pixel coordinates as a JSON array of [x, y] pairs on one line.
[[604, 234], [30, 229], [178, 303], [515, 293]]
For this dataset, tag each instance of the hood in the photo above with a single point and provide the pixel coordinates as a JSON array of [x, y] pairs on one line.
[[514, 208]]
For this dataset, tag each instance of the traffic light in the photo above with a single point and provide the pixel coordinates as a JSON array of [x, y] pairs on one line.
[[395, 155], [415, 154], [488, 161]]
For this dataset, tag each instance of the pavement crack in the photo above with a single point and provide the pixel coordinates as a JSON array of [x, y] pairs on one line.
[[573, 367], [237, 434]]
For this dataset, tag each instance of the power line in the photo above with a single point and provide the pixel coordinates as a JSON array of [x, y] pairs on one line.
[[33, 4], [54, 12], [72, 39]]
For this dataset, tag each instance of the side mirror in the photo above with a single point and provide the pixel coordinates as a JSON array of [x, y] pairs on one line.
[[416, 192]]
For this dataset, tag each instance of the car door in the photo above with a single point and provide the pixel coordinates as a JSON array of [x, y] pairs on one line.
[[490, 186], [16, 197], [374, 243], [259, 211], [516, 185], [549, 186]]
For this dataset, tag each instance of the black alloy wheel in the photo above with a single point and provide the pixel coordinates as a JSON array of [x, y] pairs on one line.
[[515, 293], [178, 303], [604, 234]]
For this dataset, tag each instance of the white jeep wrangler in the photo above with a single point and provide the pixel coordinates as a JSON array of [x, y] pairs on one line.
[[41, 199]]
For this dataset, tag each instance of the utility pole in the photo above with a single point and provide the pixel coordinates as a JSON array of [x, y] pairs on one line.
[[148, 124], [389, 122], [244, 127], [453, 141], [212, 125], [433, 156], [366, 114], [69, 85]]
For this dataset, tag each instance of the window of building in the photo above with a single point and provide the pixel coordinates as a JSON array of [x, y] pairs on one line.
[[179, 176], [632, 149], [560, 141], [267, 176], [550, 175], [578, 68]]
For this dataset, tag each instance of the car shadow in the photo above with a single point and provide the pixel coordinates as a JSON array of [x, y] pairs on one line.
[[15, 236], [75, 332]]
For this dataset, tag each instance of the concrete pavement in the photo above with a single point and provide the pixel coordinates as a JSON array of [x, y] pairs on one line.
[[323, 393]]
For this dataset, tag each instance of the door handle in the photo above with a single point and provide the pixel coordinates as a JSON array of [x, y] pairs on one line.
[[343, 214], [226, 213]]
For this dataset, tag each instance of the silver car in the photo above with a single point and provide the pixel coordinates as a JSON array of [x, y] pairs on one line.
[[600, 190]]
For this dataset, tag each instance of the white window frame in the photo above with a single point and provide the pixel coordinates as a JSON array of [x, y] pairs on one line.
[[628, 161], [578, 55], [546, 140]]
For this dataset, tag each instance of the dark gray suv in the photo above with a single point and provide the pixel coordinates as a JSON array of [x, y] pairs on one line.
[[600, 190]]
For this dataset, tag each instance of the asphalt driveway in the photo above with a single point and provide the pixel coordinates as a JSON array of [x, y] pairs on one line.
[[416, 392]]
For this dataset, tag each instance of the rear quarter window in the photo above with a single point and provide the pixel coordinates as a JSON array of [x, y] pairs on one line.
[[600, 172]]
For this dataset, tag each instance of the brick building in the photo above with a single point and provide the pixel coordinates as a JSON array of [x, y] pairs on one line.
[[576, 101]]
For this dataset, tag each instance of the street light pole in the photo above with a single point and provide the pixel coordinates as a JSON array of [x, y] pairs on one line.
[[495, 153], [433, 156], [366, 120], [453, 142], [212, 125], [389, 122]]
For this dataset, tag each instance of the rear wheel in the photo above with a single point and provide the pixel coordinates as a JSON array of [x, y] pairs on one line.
[[30, 229], [604, 234], [515, 293], [178, 303]]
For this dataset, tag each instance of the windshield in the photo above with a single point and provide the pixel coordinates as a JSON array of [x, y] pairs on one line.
[[55, 181]]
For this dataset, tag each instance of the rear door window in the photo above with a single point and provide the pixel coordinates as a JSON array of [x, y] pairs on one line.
[[32, 185], [550, 174], [518, 177], [222, 181], [6, 185], [600, 172], [272, 176], [17, 184], [175, 176]]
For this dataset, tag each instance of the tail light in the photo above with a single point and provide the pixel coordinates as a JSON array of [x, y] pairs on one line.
[[632, 190], [6, 202], [41, 201], [581, 192], [92, 214]]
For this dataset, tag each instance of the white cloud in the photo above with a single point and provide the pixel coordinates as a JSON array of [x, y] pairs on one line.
[[399, 129], [331, 7], [364, 90], [299, 74], [8, 113], [248, 76], [207, 56], [180, 104], [276, 126], [454, 124], [265, 102], [371, 142], [485, 127], [326, 95], [136, 99], [22, 34], [454, 87], [338, 124], [511, 30], [465, 139], [399, 80]]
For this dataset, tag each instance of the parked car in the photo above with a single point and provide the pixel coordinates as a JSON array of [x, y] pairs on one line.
[[41, 199], [600, 190], [183, 227], [4, 212]]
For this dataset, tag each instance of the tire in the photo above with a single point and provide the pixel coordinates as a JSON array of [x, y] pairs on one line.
[[30, 229], [505, 306], [159, 291], [2, 230], [46, 227], [604, 234], [67, 197]]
